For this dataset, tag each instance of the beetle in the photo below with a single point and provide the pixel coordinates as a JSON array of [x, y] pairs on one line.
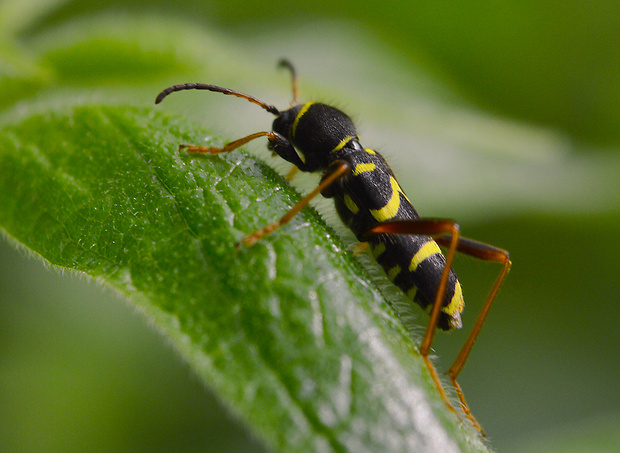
[[317, 137]]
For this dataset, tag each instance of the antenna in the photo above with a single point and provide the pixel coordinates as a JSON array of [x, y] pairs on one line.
[[215, 88], [284, 63]]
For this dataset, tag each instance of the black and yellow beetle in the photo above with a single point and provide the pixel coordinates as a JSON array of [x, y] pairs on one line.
[[317, 137]]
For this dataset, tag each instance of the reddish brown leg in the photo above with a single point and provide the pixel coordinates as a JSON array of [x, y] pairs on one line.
[[336, 170], [291, 174], [360, 247], [488, 253], [228, 147], [448, 233], [430, 227], [331, 174]]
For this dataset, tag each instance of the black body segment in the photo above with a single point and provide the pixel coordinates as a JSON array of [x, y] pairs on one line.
[[314, 129], [369, 195]]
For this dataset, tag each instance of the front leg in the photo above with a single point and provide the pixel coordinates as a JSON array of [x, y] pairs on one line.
[[334, 172], [231, 146]]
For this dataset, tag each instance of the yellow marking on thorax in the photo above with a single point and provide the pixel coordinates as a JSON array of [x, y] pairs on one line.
[[342, 143], [349, 203], [369, 151], [429, 249], [301, 113], [389, 211], [457, 303], [362, 168]]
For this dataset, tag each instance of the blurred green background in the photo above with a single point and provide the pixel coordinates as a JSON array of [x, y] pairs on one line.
[[503, 115]]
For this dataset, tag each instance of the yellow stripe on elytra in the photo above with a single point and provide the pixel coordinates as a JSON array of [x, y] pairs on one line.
[[429, 249], [457, 303], [342, 143], [378, 250], [301, 113], [350, 204], [393, 272], [362, 168], [389, 211]]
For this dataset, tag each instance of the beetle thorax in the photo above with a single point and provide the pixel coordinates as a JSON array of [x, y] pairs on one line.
[[315, 129]]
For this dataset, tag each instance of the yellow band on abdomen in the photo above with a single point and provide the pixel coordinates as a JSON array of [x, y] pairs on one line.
[[429, 249], [389, 211]]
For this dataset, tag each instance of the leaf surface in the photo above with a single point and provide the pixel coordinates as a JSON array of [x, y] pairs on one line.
[[290, 333]]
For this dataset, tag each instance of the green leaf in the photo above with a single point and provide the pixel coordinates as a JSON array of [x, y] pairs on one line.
[[15, 15], [290, 333], [20, 75], [106, 49]]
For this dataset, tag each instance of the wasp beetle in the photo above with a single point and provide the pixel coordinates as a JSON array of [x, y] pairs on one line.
[[317, 137]]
